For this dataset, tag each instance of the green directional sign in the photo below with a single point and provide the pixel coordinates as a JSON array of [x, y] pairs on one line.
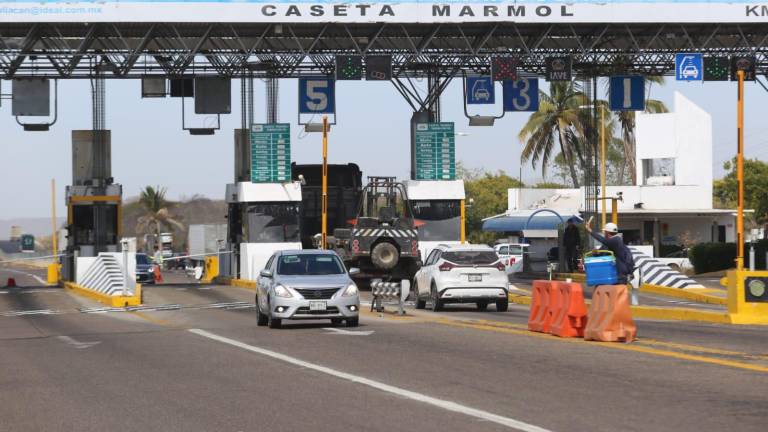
[[270, 153], [435, 151], [27, 243]]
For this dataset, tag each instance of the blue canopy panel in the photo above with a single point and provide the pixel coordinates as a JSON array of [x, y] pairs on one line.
[[517, 223]]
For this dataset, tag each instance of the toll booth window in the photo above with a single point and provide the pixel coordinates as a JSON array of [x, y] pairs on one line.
[[272, 222], [659, 172], [438, 220]]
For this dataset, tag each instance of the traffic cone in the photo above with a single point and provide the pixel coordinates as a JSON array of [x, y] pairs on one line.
[[11, 283], [158, 276]]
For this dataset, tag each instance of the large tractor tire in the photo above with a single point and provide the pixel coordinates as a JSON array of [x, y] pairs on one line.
[[385, 256]]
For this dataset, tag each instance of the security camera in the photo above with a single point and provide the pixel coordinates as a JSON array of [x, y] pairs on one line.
[[302, 180]]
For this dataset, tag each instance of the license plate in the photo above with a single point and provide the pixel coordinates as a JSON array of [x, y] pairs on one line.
[[316, 306], [475, 278]]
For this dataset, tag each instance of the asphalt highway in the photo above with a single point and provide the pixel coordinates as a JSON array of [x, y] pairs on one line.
[[193, 359]]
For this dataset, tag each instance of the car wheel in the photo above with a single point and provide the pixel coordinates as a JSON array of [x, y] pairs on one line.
[[437, 304], [353, 322], [482, 305], [502, 305], [274, 323], [420, 302], [336, 321], [261, 319]]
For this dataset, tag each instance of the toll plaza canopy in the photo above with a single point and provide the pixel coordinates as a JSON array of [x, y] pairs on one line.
[[392, 11], [291, 38]]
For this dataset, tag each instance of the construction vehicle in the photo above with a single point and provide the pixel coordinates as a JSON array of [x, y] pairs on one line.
[[383, 239]]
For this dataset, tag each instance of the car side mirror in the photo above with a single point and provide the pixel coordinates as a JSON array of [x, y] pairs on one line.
[[266, 273], [354, 271]]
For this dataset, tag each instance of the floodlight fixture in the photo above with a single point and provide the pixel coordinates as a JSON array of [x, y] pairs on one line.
[[478, 120]]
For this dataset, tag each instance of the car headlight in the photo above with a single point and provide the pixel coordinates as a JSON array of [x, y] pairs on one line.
[[350, 291], [282, 291]]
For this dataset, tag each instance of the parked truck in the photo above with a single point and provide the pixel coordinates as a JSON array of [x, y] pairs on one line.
[[344, 187]]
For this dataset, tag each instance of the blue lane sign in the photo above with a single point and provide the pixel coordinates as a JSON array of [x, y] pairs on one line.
[[689, 67], [627, 93], [317, 96], [521, 95], [480, 91]]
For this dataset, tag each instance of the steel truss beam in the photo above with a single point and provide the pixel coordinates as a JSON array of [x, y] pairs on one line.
[[418, 50]]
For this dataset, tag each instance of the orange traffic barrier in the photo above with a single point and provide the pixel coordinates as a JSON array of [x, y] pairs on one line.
[[569, 314], [11, 283], [544, 296], [609, 317]]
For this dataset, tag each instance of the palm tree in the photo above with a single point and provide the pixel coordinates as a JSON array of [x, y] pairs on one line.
[[627, 121], [557, 117], [156, 212]]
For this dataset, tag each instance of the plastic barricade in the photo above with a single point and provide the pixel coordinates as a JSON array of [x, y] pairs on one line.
[[570, 312], [609, 317], [543, 297]]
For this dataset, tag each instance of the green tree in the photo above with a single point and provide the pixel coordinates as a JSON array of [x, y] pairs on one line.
[[725, 190], [489, 198], [156, 212], [549, 127]]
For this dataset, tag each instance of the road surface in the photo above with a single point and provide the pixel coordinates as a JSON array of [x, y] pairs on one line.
[[194, 360]]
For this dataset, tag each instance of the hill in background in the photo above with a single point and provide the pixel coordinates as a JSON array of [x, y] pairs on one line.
[[189, 211]]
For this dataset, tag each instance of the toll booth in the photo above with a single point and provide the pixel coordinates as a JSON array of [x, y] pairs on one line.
[[437, 207], [261, 217], [94, 201]]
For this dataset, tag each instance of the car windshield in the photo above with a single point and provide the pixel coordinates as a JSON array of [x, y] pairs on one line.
[[471, 257], [142, 259], [309, 264]]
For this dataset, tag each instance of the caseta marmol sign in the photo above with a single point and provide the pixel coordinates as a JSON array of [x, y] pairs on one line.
[[409, 11]]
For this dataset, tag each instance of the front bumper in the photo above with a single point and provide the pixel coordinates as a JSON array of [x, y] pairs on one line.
[[298, 308], [143, 277], [459, 294]]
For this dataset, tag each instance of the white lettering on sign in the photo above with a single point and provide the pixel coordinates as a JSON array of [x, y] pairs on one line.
[[318, 100], [627, 93]]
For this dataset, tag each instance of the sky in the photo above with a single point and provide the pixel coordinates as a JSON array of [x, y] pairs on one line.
[[149, 146]]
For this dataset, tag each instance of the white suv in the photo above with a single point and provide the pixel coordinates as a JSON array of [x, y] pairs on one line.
[[462, 274]]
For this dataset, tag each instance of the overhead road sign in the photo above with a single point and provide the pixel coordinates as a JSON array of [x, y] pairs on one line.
[[378, 68], [627, 93], [435, 151], [317, 96], [559, 68], [480, 91], [504, 68], [271, 153], [716, 68], [521, 95], [689, 67], [746, 63], [404, 11]]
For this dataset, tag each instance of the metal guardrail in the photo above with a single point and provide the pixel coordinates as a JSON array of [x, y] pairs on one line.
[[390, 292]]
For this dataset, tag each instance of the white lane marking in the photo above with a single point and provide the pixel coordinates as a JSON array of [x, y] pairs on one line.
[[35, 277], [30, 312], [337, 331], [77, 344], [439, 403]]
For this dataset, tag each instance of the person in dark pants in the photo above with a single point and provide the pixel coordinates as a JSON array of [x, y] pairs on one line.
[[614, 243], [572, 244]]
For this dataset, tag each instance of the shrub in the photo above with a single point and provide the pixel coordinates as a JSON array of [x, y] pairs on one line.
[[710, 257]]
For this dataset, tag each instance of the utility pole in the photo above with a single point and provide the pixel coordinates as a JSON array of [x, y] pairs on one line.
[[324, 205]]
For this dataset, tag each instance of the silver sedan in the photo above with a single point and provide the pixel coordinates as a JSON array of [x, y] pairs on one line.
[[306, 285]]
